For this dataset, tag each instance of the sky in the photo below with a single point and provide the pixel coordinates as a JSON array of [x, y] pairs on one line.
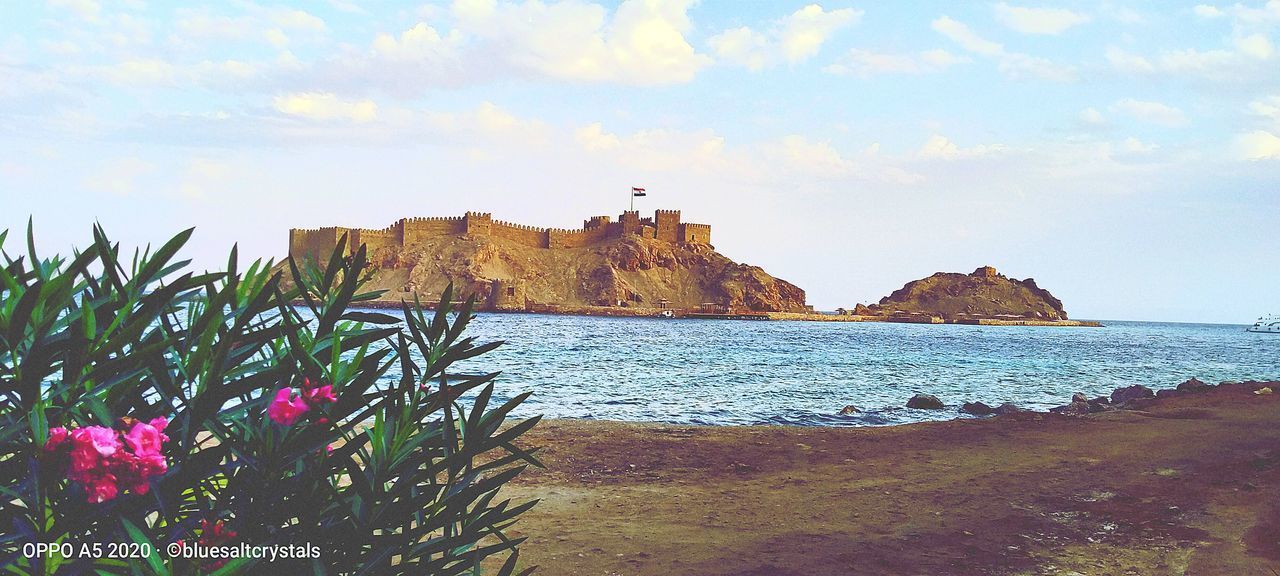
[[1125, 155]]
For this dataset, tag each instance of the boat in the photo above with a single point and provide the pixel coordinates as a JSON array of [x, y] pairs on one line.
[[1269, 324]]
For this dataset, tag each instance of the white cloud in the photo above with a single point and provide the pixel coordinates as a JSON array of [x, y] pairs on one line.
[[1013, 64], [1135, 146], [865, 63], [1258, 145], [745, 47], [808, 28], [642, 43], [1128, 62], [940, 147], [660, 150], [1268, 108], [87, 10], [1207, 11], [1246, 58], [324, 106], [961, 34], [1092, 117], [1051, 21], [149, 72], [793, 39], [817, 158], [1151, 112], [1256, 46]]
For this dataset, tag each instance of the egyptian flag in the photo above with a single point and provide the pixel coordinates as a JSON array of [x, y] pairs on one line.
[[637, 191]]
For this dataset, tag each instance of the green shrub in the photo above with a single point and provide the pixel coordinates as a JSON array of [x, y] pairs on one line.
[[373, 455]]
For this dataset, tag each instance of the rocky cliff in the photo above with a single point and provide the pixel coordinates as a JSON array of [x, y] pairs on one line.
[[983, 294], [634, 271]]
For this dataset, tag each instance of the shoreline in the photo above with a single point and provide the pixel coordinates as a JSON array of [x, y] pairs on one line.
[[1177, 484], [618, 312]]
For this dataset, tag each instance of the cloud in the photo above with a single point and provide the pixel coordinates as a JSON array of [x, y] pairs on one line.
[[1135, 146], [87, 10], [659, 150], [1267, 108], [1050, 21], [1244, 60], [960, 33], [1091, 117], [793, 39], [141, 73], [1128, 62], [318, 106], [1258, 145], [865, 63], [641, 43], [1151, 112], [940, 148], [1207, 11], [1256, 46], [1012, 64]]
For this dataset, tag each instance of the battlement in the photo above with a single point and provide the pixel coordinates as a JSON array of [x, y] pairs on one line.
[[664, 225]]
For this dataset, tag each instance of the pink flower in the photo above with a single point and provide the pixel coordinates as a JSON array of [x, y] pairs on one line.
[[320, 395], [91, 446], [57, 437], [285, 409], [100, 487], [145, 439]]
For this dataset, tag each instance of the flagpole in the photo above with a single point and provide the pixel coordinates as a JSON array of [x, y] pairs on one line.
[[633, 199]]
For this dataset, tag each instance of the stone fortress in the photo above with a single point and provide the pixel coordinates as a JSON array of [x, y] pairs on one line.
[[319, 243]]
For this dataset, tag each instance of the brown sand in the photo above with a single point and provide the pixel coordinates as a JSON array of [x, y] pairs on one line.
[[1189, 485]]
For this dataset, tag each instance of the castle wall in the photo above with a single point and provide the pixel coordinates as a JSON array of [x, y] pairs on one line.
[[374, 239], [558, 238], [664, 225], [418, 229], [527, 235], [316, 244]]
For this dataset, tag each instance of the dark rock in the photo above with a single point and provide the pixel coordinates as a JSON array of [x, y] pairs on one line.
[[1073, 409], [1100, 400], [1079, 397], [977, 409], [1135, 392], [1008, 408], [1194, 385], [850, 409], [1166, 393], [925, 402]]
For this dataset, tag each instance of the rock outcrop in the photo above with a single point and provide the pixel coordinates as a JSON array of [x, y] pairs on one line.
[[629, 272], [983, 294]]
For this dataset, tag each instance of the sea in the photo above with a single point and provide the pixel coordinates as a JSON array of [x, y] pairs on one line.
[[733, 372]]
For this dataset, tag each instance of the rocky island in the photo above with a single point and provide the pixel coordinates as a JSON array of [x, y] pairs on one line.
[[982, 297], [634, 266]]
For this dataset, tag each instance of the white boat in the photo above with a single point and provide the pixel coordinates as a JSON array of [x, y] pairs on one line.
[[1267, 324]]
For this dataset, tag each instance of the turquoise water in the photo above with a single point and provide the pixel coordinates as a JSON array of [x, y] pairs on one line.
[[741, 372]]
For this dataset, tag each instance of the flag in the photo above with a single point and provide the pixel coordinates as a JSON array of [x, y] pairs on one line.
[[637, 191]]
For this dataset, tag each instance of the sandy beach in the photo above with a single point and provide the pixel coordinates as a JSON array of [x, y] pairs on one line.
[[1182, 485]]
